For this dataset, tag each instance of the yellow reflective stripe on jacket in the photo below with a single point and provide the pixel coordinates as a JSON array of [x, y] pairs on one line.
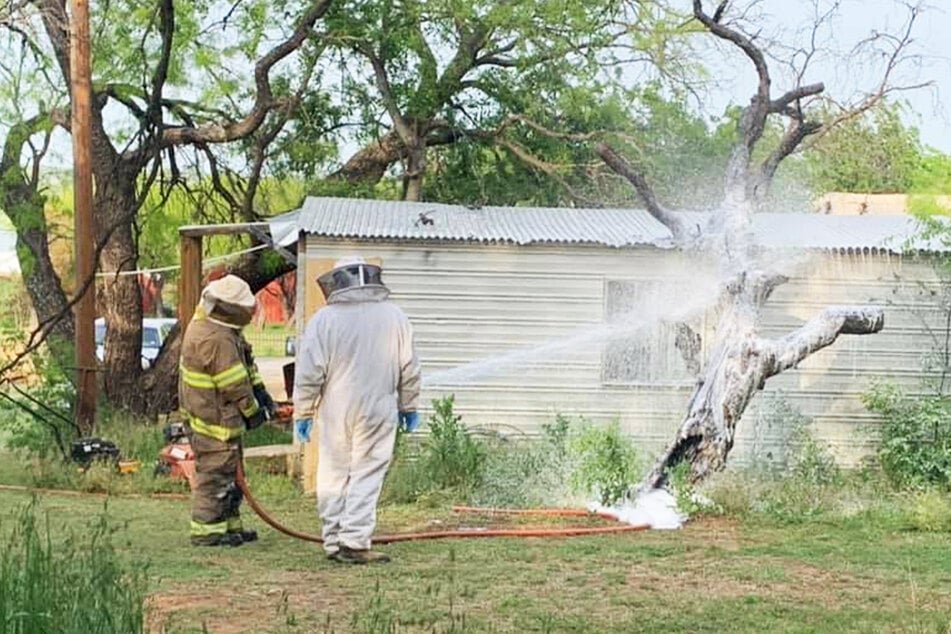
[[199, 529], [218, 432], [232, 375], [257, 379], [234, 524], [196, 379]]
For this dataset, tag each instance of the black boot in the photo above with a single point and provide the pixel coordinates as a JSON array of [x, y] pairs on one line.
[[246, 536], [362, 556], [218, 539]]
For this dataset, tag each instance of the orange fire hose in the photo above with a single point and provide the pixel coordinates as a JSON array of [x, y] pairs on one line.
[[408, 537]]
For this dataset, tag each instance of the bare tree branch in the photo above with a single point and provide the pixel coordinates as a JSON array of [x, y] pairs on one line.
[[613, 160], [743, 42], [160, 76], [800, 92], [264, 102]]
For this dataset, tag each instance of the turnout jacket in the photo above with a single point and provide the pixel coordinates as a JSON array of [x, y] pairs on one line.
[[216, 379]]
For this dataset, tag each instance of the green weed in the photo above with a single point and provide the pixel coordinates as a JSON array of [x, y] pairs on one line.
[[72, 585]]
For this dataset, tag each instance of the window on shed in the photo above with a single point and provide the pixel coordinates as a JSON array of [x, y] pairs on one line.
[[643, 352]]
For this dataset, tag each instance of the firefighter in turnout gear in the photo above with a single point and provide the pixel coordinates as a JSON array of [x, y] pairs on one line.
[[221, 395]]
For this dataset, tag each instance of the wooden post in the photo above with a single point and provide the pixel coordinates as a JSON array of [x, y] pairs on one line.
[[189, 279], [80, 67]]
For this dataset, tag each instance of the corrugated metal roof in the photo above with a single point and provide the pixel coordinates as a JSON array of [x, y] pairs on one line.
[[818, 231], [377, 219], [359, 218]]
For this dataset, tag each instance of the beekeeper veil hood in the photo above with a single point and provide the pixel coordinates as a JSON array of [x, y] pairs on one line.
[[228, 301], [350, 272]]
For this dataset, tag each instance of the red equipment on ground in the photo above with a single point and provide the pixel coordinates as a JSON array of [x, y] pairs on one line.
[[176, 460]]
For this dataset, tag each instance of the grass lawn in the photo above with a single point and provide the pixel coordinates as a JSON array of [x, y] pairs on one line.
[[716, 575]]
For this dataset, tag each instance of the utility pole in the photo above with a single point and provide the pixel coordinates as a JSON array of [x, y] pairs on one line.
[[80, 68]]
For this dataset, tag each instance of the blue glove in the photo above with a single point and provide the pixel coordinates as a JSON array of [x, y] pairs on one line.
[[409, 421], [302, 429]]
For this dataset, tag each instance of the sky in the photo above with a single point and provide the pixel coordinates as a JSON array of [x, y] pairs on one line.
[[929, 109]]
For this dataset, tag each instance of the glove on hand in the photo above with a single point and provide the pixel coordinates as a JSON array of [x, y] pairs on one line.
[[256, 419], [265, 400], [302, 429], [409, 421]]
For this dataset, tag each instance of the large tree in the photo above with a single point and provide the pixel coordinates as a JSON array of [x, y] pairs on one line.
[[427, 74], [148, 60], [742, 360]]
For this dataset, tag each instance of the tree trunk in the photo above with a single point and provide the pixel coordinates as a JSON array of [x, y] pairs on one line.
[[369, 165], [24, 205], [415, 171], [120, 298], [739, 367]]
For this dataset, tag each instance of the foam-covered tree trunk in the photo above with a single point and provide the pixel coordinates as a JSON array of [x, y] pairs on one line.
[[742, 361]]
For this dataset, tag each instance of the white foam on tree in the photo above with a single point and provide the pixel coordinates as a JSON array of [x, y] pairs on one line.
[[656, 508]]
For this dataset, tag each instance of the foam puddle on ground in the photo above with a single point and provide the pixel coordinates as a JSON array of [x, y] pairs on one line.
[[656, 508]]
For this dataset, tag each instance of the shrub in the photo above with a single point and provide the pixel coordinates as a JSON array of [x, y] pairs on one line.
[[915, 437], [452, 458], [605, 463], [40, 424], [526, 473], [449, 460], [810, 460], [930, 511], [72, 585]]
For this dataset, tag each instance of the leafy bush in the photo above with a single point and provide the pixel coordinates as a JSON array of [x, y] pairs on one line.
[[689, 501], [452, 458], [76, 585], [449, 460], [526, 473], [606, 463], [803, 480], [48, 429], [810, 460], [930, 511], [915, 437]]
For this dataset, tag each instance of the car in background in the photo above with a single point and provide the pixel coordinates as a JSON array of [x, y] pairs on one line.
[[155, 331]]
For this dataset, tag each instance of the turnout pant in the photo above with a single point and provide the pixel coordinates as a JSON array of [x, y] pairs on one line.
[[216, 497]]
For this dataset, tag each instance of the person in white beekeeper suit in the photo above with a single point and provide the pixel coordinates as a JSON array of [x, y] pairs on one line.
[[358, 370]]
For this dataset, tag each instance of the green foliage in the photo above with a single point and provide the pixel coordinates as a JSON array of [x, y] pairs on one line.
[[41, 424], [812, 462], [607, 463], [797, 481], [930, 511], [915, 436], [72, 585], [450, 461], [875, 153], [527, 473], [684, 492], [267, 435], [452, 458], [17, 312]]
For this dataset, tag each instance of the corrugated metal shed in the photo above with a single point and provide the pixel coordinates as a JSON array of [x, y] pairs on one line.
[[394, 220]]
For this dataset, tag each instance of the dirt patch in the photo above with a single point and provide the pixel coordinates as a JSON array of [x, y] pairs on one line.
[[714, 532], [231, 609], [768, 577]]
